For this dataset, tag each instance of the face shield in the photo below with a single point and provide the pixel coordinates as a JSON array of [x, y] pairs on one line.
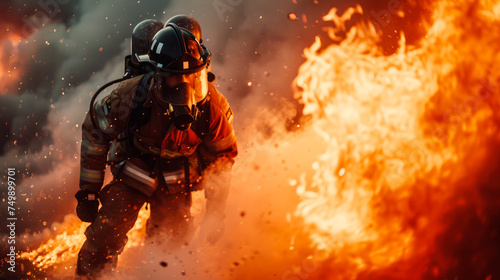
[[181, 72], [181, 93]]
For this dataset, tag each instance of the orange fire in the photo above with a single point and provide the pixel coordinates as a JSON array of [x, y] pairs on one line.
[[9, 63], [66, 244], [406, 133]]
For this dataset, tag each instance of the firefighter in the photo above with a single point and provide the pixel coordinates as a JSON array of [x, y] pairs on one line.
[[164, 134]]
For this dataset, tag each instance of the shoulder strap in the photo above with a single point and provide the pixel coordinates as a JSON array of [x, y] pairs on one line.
[[202, 127], [140, 115], [202, 123]]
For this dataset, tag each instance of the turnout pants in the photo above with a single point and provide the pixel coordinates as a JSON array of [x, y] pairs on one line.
[[107, 235]]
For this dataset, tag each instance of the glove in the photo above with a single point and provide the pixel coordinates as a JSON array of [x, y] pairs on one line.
[[213, 228], [88, 205]]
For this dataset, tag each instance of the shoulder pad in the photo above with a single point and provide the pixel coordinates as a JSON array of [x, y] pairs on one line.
[[217, 99], [127, 88], [219, 103], [116, 109], [123, 95]]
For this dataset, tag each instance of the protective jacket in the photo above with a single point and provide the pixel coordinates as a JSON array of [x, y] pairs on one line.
[[153, 153]]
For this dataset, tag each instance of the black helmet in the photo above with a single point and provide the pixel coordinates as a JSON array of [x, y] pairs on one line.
[[191, 24], [177, 51], [187, 22], [142, 36], [177, 55]]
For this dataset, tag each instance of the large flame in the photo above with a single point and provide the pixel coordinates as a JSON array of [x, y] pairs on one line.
[[402, 131]]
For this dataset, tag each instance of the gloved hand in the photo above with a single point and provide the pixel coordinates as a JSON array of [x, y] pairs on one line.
[[213, 228], [88, 205]]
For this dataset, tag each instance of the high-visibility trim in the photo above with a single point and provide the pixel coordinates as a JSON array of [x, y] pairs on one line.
[[91, 176], [178, 176], [94, 149], [154, 150], [138, 174], [159, 47], [173, 177], [229, 116], [105, 109], [101, 118], [223, 143], [172, 154], [141, 146]]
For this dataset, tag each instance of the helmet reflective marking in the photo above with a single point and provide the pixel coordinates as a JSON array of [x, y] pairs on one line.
[[158, 49]]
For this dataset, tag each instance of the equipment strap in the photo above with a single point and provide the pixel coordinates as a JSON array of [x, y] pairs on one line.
[[140, 115]]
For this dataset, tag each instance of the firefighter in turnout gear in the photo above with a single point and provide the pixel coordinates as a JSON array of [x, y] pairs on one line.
[[163, 134]]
